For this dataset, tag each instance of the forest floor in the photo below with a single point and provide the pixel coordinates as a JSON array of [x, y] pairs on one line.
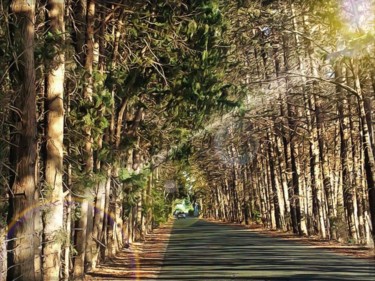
[[139, 261], [189, 249]]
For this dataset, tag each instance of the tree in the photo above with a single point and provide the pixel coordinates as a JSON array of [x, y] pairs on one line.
[[53, 224], [84, 225], [23, 195]]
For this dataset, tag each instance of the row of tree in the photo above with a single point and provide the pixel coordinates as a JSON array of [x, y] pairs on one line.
[[95, 95], [299, 154]]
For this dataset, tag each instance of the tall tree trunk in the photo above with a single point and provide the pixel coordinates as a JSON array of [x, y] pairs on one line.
[[53, 215], [368, 152], [68, 230], [23, 155], [283, 180], [275, 193], [106, 219], [316, 182], [309, 101], [325, 167], [85, 221], [347, 185], [94, 242], [288, 119]]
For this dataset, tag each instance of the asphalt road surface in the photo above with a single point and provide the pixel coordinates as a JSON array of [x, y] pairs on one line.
[[201, 250]]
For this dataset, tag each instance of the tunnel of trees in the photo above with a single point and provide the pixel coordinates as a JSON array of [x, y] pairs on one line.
[[260, 111]]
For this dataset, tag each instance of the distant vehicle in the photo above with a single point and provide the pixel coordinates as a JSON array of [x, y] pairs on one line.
[[180, 215]]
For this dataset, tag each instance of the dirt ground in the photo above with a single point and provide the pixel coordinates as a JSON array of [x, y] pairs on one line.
[[139, 261]]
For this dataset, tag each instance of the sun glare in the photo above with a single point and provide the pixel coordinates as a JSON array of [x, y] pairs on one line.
[[359, 15]]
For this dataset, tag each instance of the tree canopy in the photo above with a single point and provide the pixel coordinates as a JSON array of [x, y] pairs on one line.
[[113, 111]]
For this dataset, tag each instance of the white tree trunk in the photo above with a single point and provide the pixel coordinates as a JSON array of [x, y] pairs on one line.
[[53, 215]]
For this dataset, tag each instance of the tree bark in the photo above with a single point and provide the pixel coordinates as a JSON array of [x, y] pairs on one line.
[[53, 215], [23, 153], [368, 152], [345, 168], [84, 224], [275, 193]]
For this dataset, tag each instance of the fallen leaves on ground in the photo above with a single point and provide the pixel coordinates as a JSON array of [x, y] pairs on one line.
[[139, 261]]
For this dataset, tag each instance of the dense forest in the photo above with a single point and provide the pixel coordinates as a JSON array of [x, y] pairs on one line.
[[258, 111]]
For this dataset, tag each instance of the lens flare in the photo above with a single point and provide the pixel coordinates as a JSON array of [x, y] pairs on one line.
[[27, 213]]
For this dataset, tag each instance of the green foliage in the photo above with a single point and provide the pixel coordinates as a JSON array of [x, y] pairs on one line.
[[183, 205], [48, 46], [82, 181], [160, 207], [61, 236], [132, 198], [134, 179], [105, 153], [256, 216]]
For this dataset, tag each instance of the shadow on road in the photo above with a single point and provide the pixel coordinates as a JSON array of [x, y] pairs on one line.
[[201, 250]]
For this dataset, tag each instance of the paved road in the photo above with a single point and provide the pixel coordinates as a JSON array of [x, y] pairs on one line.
[[200, 250]]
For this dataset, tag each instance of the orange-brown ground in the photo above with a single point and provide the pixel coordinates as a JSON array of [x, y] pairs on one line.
[[140, 261]]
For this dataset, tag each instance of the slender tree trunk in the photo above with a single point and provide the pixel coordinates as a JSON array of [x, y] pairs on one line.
[[53, 216], [309, 101], [94, 242], [84, 230], [275, 194], [325, 168], [283, 177], [68, 229], [298, 189], [288, 119], [345, 169], [106, 219]]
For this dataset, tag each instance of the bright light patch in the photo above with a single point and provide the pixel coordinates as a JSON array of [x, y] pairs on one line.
[[358, 15]]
